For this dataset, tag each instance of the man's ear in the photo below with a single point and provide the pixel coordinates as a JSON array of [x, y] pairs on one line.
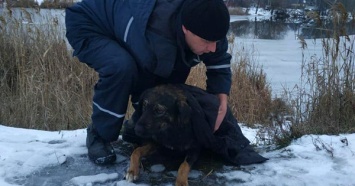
[[184, 112], [184, 29]]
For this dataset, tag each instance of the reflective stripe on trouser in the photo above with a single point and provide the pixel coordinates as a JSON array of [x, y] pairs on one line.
[[111, 98], [117, 77]]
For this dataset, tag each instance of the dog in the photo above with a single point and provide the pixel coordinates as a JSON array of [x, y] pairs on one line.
[[165, 121], [181, 118]]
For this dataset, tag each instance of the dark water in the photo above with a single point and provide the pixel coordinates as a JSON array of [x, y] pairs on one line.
[[276, 46], [266, 28], [277, 29]]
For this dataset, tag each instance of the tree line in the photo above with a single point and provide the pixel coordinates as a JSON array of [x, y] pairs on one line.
[[274, 4], [44, 4]]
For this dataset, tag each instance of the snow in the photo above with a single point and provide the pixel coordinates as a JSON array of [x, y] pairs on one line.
[[100, 178], [302, 163], [157, 168], [39, 1], [260, 15], [317, 160], [310, 160]]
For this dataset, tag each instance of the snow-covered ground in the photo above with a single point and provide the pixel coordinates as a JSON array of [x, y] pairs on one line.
[[33, 157], [261, 14]]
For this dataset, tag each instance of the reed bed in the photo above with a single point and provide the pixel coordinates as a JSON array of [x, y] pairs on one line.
[[42, 85], [326, 98]]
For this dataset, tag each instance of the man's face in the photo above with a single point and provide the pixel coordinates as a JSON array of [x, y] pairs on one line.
[[197, 44]]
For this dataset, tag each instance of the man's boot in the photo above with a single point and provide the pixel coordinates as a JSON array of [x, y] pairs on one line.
[[99, 151]]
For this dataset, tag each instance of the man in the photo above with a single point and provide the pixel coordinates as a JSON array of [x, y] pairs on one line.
[[137, 44]]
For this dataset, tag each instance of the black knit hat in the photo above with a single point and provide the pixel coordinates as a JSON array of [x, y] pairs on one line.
[[208, 19]]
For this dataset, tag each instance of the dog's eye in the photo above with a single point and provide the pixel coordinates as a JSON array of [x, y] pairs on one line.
[[148, 126], [159, 110], [144, 105], [163, 125]]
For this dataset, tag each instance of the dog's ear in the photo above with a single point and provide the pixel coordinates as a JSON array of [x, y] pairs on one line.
[[138, 108], [184, 112]]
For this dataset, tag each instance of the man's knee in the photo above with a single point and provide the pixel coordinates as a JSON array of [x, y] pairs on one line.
[[125, 70]]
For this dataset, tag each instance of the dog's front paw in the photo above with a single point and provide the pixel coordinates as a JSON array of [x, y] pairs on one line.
[[183, 173], [132, 174], [181, 182]]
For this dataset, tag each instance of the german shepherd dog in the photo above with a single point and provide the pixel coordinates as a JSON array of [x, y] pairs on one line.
[[164, 121], [181, 118]]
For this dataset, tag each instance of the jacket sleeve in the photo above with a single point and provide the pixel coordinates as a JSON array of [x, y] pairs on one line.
[[218, 69], [89, 36]]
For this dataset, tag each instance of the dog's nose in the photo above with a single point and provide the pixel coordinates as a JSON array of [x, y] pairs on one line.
[[139, 130]]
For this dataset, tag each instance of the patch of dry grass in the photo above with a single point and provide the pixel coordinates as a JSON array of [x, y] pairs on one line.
[[326, 99], [42, 85]]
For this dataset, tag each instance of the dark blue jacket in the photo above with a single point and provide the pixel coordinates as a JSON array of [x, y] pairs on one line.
[[150, 31]]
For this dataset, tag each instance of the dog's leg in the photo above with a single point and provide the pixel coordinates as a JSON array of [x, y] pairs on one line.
[[183, 173], [133, 171], [185, 167]]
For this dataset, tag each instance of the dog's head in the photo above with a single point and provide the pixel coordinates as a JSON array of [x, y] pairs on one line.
[[161, 108]]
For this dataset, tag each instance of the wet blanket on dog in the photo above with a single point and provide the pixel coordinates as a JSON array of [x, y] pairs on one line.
[[228, 140]]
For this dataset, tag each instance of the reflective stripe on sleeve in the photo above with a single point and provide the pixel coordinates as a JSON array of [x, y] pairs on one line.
[[218, 66]]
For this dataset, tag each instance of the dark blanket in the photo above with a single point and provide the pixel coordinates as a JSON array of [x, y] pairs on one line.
[[228, 140]]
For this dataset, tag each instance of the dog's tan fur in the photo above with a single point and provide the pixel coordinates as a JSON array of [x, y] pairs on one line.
[[133, 171], [183, 173]]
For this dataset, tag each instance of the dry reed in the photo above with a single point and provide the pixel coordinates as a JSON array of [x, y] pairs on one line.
[[42, 85], [326, 99]]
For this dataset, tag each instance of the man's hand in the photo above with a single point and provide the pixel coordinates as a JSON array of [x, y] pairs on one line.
[[221, 111]]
